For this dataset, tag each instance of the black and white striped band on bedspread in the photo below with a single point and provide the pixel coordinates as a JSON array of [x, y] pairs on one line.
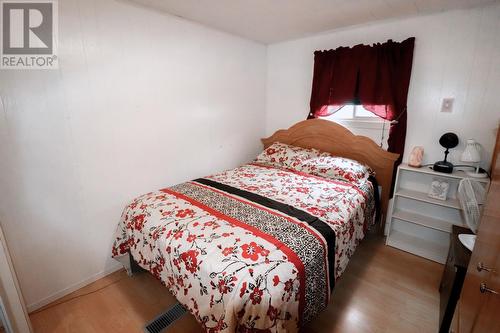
[[320, 226], [308, 237]]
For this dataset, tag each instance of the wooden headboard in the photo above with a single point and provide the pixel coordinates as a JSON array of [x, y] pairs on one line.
[[333, 138]]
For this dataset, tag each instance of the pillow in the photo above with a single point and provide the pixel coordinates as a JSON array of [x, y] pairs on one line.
[[282, 155], [339, 168]]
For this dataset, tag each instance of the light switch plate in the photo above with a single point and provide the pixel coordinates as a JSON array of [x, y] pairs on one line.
[[447, 105]]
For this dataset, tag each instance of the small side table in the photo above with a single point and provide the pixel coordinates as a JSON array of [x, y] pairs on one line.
[[453, 278]]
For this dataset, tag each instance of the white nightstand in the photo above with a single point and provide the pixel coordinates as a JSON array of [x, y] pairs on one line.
[[419, 224]]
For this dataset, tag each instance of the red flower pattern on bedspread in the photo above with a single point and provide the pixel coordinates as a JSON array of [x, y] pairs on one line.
[[231, 275], [341, 204]]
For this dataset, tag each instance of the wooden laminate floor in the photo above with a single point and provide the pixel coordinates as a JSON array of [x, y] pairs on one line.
[[382, 290]]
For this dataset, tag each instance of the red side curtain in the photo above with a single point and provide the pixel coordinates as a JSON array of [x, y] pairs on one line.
[[376, 76]]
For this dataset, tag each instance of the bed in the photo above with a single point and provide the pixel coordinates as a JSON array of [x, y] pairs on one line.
[[259, 247]]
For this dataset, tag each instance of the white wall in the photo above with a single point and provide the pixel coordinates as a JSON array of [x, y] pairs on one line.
[[457, 54], [141, 101]]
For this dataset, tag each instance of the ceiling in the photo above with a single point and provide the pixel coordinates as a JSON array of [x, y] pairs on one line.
[[270, 21]]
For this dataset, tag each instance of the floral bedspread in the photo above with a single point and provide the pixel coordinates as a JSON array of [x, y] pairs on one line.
[[252, 249]]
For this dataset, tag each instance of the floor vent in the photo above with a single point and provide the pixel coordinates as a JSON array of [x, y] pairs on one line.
[[166, 319]]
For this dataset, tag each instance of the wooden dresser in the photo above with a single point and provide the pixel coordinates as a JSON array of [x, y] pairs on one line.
[[453, 278]]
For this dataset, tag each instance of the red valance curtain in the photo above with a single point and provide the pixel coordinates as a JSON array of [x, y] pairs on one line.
[[375, 76]]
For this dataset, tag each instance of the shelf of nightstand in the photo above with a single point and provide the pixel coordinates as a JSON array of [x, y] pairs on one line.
[[418, 246], [421, 196], [418, 223], [423, 220], [456, 174]]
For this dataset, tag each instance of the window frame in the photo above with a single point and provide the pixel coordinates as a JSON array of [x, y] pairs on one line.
[[363, 123], [355, 119]]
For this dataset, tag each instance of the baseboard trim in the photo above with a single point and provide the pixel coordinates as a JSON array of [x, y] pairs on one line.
[[57, 295]]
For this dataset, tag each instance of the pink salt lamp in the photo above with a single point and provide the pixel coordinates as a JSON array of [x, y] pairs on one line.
[[416, 156]]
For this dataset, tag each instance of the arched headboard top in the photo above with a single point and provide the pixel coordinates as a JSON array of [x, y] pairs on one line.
[[335, 139]]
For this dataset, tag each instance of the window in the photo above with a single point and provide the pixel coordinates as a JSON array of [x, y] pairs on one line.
[[360, 121], [354, 112]]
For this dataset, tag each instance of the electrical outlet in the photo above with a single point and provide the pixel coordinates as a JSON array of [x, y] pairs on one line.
[[447, 105]]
